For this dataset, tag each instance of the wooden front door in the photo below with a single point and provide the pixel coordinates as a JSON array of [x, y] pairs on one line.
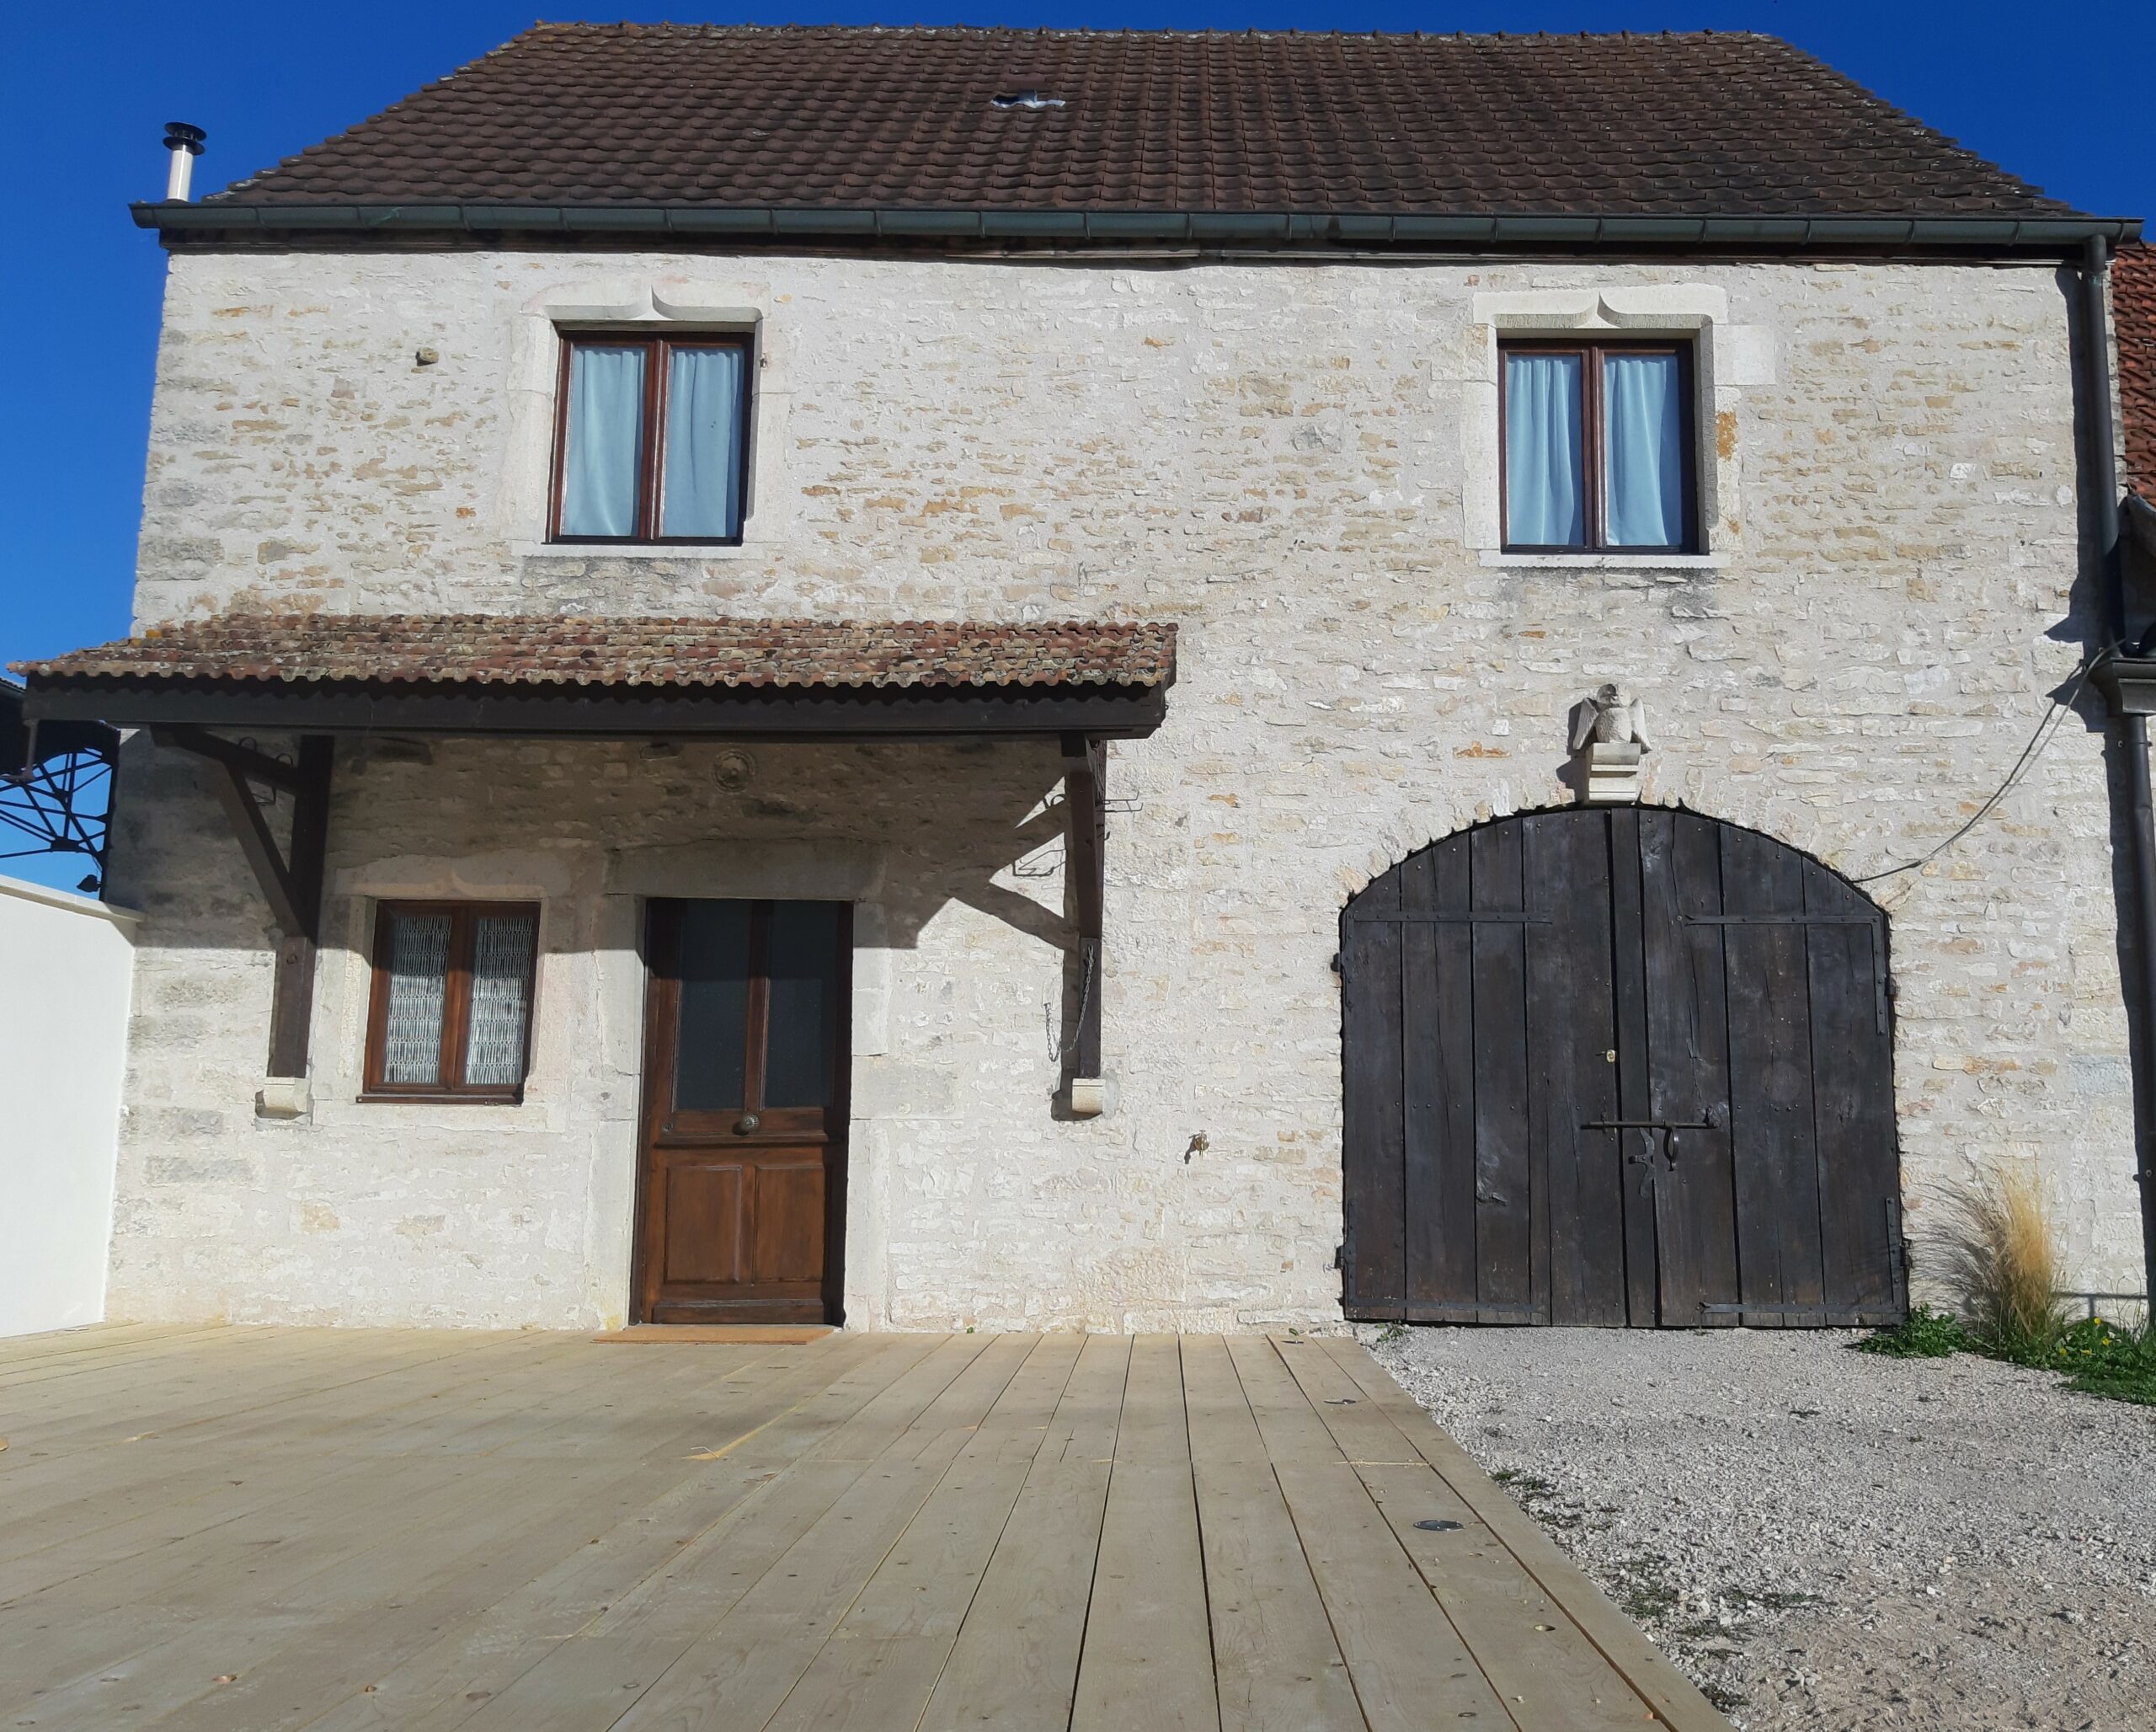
[[1618, 1066], [742, 1192]]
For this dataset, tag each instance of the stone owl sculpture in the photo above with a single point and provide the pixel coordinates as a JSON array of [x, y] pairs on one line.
[[1610, 718]]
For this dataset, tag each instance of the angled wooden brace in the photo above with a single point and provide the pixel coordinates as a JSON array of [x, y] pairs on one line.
[[290, 878], [1085, 805]]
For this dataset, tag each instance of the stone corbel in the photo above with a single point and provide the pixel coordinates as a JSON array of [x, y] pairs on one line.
[[1609, 742]]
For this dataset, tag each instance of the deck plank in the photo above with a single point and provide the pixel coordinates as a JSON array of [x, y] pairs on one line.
[[399, 1531], [1534, 1655], [1147, 1656], [878, 1669], [740, 1671], [1675, 1701], [1410, 1666], [1015, 1664], [478, 1657], [1279, 1669]]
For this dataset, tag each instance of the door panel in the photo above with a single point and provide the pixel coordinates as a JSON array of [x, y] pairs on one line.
[[703, 1221], [742, 1182], [1571, 1016], [1512, 1259], [789, 1221], [1618, 1066], [1688, 1066]]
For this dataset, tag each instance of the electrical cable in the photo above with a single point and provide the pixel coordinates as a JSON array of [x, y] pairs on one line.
[[2046, 731]]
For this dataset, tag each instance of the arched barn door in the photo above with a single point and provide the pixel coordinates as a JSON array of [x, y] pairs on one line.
[[1618, 1066]]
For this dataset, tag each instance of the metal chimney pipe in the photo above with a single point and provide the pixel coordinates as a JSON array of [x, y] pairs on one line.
[[185, 143]]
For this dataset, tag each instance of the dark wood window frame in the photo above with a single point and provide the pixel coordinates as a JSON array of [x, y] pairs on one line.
[[464, 917], [650, 479], [1594, 466]]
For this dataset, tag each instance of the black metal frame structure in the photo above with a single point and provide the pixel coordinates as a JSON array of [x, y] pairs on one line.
[[56, 787]]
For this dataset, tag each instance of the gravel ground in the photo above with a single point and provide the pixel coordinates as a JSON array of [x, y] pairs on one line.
[[1824, 1538]]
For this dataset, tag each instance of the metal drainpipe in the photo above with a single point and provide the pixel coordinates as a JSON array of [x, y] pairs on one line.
[[2141, 821]]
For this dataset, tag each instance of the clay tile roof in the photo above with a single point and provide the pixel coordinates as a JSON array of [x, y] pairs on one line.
[[514, 651], [2133, 316], [704, 116]]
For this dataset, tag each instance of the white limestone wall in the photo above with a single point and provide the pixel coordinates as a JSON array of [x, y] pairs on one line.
[[1295, 461], [65, 967]]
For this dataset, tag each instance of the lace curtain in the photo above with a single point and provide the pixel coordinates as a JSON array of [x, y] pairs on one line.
[[501, 1001], [418, 980]]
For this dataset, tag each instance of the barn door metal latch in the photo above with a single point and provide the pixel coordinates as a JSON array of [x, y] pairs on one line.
[[1667, 1127]]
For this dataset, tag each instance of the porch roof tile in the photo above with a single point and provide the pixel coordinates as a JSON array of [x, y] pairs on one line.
[[526, 650]]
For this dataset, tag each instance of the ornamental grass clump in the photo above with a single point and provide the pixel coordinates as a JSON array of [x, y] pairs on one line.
[[2002, 1260]]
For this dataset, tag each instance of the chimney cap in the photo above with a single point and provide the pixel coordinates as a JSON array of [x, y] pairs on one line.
[[180, 135]]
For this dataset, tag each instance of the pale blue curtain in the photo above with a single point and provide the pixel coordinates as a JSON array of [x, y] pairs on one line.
[[1546, 498], [703, 443], [605, 441], [1643, 409]]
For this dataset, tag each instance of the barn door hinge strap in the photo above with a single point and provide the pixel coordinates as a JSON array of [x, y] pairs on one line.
[[1898, 1252], [1880, 991], [1418, 917], [1779, 920]]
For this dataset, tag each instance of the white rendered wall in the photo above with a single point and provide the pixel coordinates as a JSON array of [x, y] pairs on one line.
[[65, 967]]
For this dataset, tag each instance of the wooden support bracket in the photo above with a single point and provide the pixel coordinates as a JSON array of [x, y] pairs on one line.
[[291, 877], [1084, 803]]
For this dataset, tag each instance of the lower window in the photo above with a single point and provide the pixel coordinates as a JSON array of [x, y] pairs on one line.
[[451, 1014], [1597, 448]]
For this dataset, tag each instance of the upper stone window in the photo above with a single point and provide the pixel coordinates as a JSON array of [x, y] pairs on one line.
[[1597, 447], [651, 442]]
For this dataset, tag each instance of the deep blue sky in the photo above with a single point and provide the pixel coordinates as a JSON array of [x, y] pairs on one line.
[[86, 89]]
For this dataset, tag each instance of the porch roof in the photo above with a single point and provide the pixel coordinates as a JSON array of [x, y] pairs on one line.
[[511, 673]]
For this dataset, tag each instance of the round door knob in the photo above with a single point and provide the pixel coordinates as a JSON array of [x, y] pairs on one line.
[[747, 1122]]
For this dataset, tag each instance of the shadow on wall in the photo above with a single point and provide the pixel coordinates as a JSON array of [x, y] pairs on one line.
[[909, 828]]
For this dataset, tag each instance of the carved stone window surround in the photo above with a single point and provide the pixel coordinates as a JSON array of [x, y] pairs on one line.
[[1726, 358], [658, 301]]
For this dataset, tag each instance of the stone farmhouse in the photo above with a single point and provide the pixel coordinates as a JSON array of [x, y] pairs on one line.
[[962, 678]]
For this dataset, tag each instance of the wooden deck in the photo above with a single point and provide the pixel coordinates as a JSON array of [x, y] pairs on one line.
[[229, 1529]]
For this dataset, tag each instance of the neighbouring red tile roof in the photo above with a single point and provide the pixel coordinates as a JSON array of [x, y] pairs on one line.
[[612, 114], [517, 650], [2134, 318]]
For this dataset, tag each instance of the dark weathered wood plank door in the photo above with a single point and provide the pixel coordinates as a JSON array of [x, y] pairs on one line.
[[1618, 1066], [1688, 1067], [741, 1192]]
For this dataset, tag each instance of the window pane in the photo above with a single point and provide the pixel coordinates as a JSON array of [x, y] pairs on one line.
[[1643, 410], [1545, 494], [805, 969], [501, 999], [712, 1034], [605, 441], [418, 974], [703, 443]]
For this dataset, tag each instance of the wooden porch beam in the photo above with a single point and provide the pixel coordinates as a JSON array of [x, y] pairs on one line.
[[291, 1001], [290, 878], [1084, 804], [255, 765]]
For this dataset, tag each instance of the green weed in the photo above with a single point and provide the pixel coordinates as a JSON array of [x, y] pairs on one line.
[[1926, 1334], [2114, 1361]]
